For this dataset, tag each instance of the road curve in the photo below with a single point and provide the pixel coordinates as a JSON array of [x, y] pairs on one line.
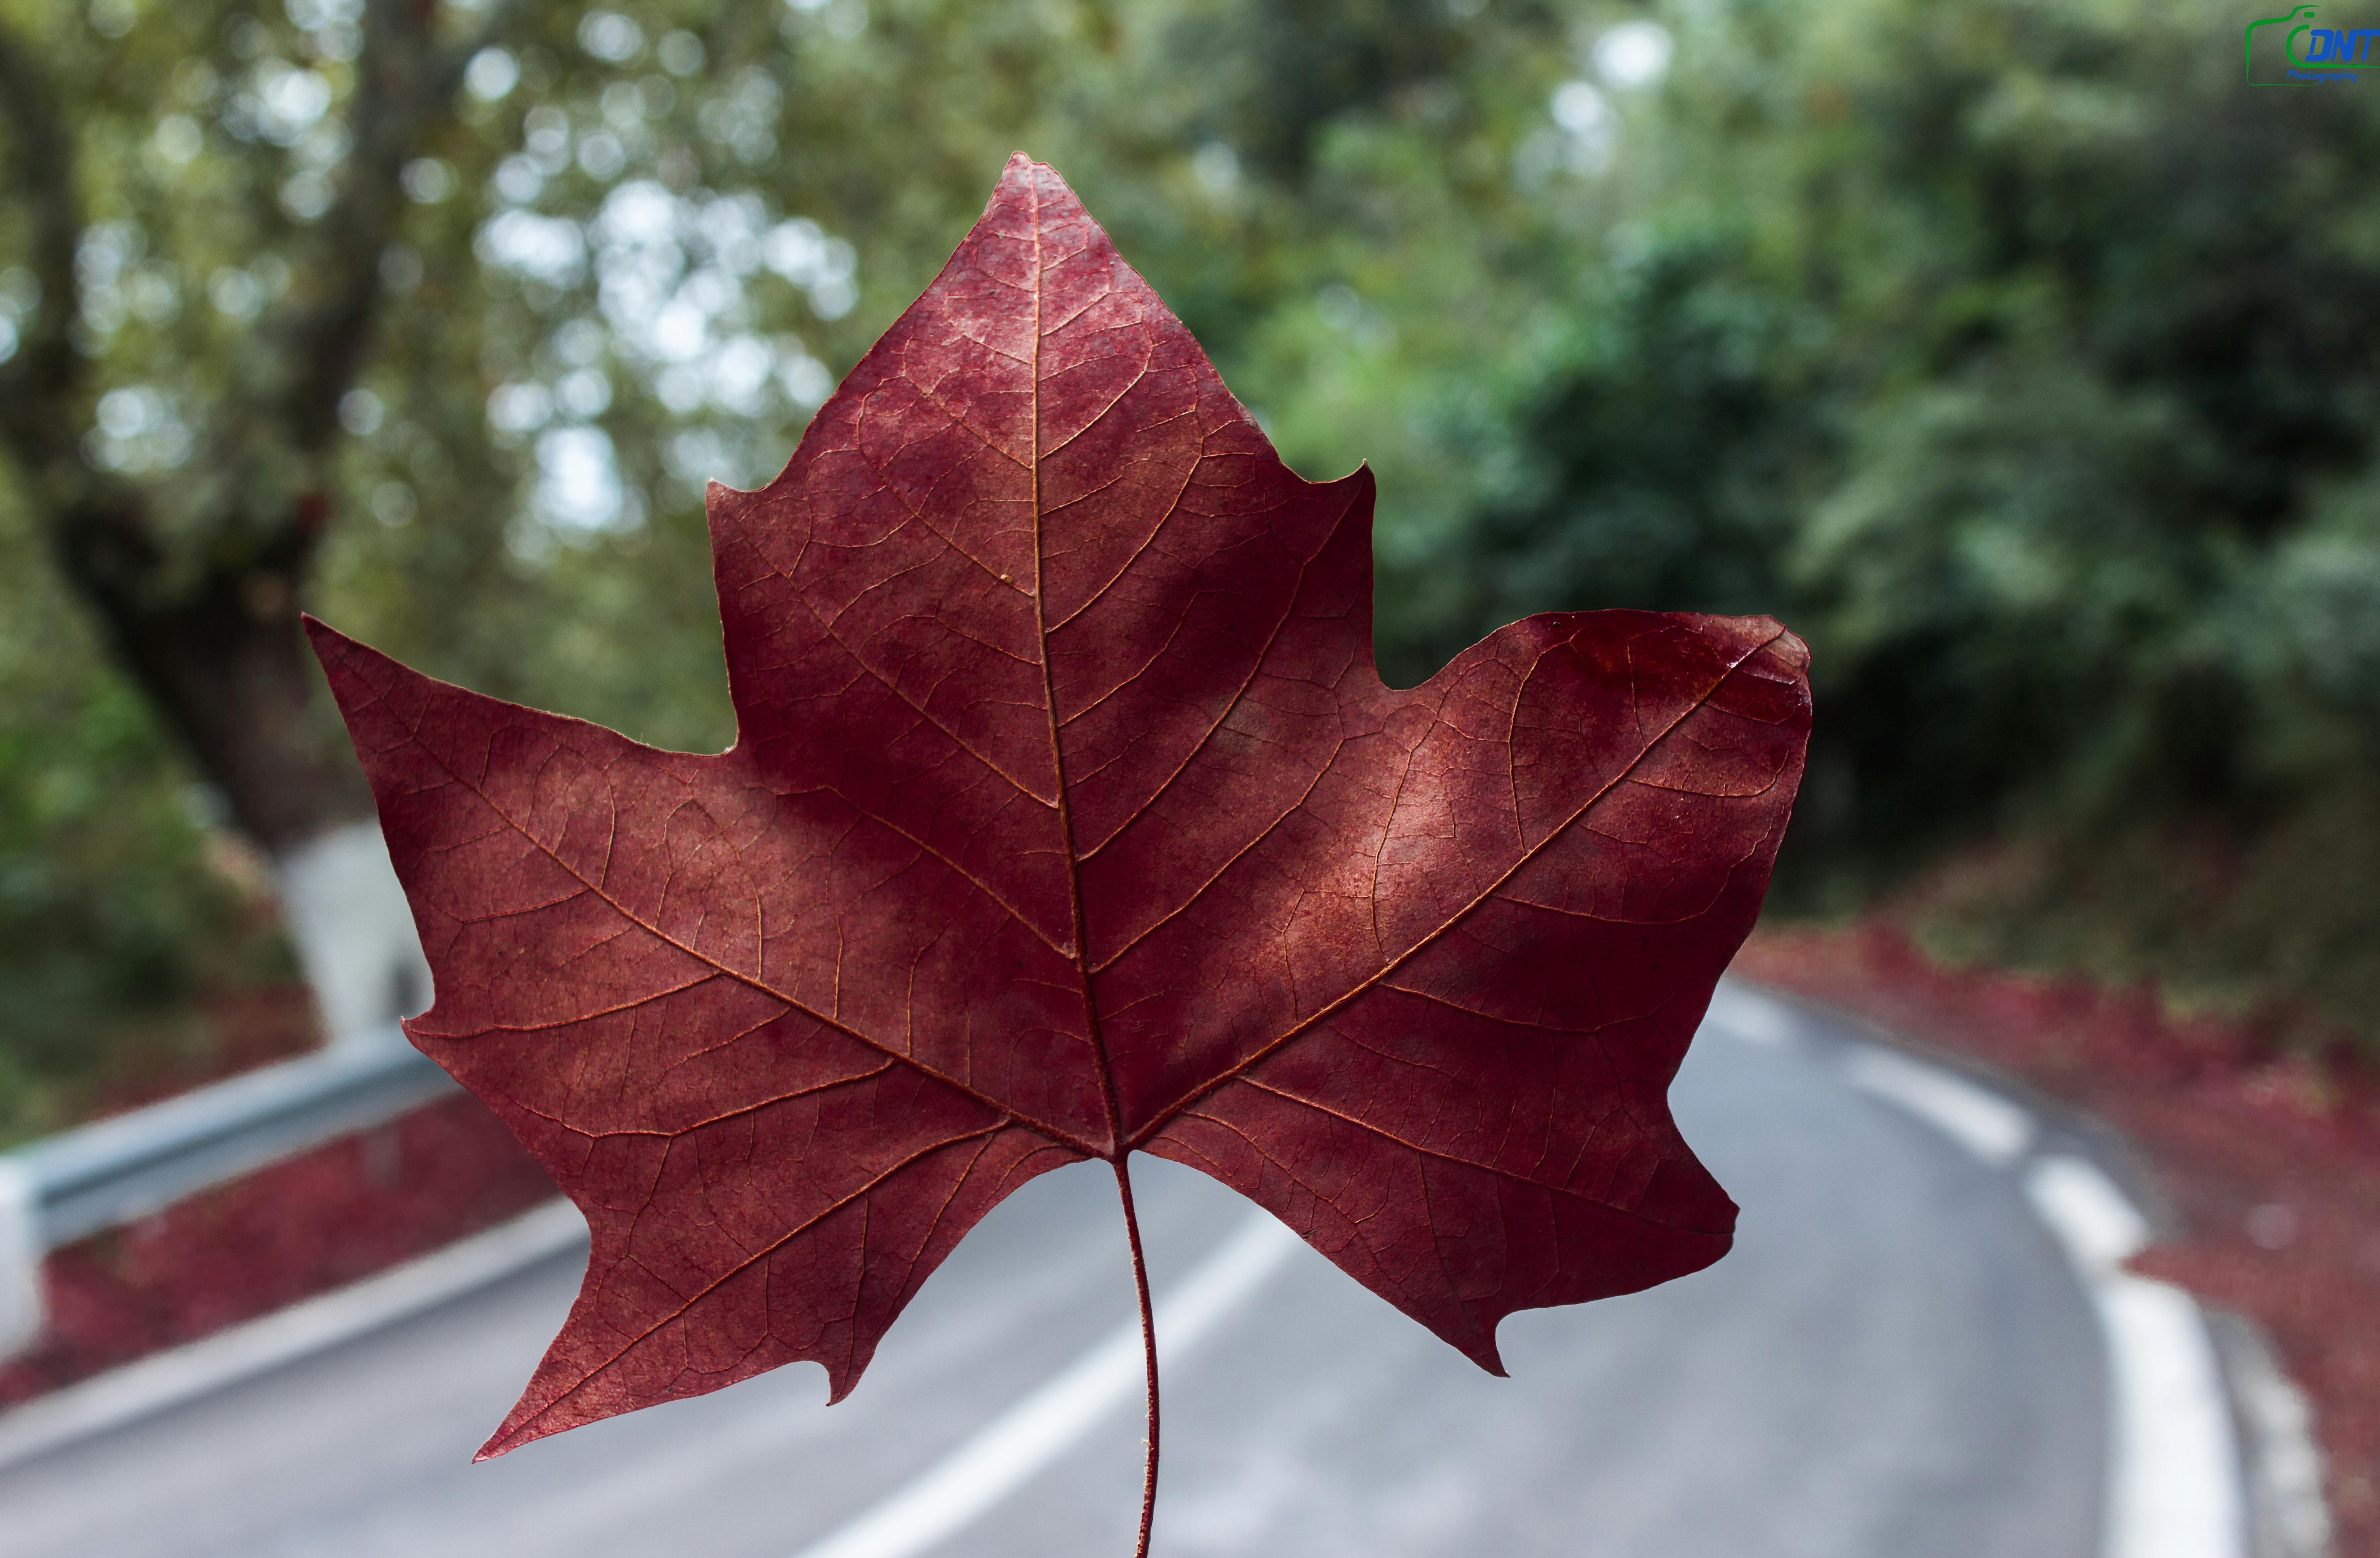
[[1896, 1360]]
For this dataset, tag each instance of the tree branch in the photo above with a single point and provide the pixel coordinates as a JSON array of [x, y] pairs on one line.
[[39, 386], [404, 80], [203, 614], [502, 17]]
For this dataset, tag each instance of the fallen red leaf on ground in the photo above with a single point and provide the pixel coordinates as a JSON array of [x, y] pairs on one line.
[[280, 1233], [1069, 817]]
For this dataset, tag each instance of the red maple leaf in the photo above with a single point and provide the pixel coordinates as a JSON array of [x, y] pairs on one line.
[[1068, 816]]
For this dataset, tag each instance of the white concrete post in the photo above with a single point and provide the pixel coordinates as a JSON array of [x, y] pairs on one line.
[[354, 932]]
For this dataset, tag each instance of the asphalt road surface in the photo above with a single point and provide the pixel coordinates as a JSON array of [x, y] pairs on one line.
[[1895, 1361]]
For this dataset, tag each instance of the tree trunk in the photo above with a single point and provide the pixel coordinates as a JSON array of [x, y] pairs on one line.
[[205, 619], [221, 656]]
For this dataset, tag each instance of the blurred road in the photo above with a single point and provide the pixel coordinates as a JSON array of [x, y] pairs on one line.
[[1896, 1360]]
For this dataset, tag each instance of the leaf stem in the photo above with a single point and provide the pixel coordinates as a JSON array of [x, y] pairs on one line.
[[1148, 1346]]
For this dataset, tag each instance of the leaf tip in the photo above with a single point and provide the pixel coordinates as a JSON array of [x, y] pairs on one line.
[[504, 1441], [1022, 168], [418, 1029], [1789, 647], [1047, 190], [1778, 641], [321, 634], [356, 671], [337, 654], [523, 1425]]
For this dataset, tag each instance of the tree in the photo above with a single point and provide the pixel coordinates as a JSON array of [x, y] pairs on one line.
[[2017, 355], [440, 311], [196, 577]]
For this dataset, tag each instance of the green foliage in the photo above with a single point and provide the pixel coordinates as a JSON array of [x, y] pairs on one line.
[[1648, 453], [2031, 379], [113, 918]]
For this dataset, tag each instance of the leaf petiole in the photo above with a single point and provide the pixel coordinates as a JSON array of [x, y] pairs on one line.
[[1148, 1346]]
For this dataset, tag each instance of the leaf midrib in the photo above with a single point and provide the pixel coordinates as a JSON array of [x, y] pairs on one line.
[[1080, 954]]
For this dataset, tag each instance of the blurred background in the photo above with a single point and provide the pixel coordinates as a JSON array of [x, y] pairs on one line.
[[2023, 355], [2020, 356]]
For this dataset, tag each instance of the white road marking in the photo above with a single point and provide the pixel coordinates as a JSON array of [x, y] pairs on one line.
[[168, 1379], [2093, 1220], [1008, 1451], [1981, 1122], [2285, 1457], [2174, 1474], [2173, 1477]]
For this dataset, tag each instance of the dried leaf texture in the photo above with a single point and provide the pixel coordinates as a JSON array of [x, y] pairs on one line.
[[1069, 817]]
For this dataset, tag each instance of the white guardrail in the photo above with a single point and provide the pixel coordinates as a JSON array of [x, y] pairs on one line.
[[106, 1174]]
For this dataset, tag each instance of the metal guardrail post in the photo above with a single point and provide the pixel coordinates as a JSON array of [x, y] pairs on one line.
[[112, 1171]]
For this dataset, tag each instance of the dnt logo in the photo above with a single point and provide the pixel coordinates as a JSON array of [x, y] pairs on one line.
[[2307, 53]]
